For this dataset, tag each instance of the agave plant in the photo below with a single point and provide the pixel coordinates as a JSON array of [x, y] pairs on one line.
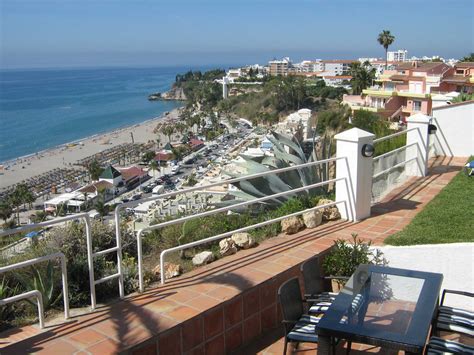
[[43, 282], [7, 312], [287, 152]]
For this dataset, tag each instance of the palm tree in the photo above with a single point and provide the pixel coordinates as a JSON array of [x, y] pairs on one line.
[[153, 166], [94, 170], [385, 39], [5, 211], [100, 205], [362, 76], [168, 130]]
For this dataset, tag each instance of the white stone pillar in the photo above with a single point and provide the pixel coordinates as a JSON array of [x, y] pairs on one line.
[[418, 145], [357, 171], [225, 89]]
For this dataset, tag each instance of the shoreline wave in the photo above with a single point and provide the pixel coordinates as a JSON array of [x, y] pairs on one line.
[[26, 157]]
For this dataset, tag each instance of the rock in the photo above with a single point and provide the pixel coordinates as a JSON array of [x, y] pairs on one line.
[[202, 258], [171, 270], [243, 240], [330, 213], [227, 247], [291, 225], [313, 218]]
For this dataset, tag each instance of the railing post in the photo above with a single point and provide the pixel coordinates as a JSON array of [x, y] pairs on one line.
[[357, 170], [417, 126]]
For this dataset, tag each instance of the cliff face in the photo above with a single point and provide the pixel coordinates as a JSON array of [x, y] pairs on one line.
[[175, 93]]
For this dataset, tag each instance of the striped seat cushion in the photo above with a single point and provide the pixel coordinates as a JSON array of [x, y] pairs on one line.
[[356, 303], [456, 311], [319, 307], [442, 346], [304, 330], [324, 296], [455, 323]]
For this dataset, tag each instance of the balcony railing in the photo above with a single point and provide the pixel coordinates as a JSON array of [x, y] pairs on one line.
[[347, 205]]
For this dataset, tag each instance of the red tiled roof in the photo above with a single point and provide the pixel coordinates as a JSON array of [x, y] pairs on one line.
[[464, 65], [347, 61], [96, 186], [163, 157], [343, 77], [456, 79], [132, 172], [195, 142], [430, 68]]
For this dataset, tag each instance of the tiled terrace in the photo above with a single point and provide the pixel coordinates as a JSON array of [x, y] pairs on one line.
[[229, 305]]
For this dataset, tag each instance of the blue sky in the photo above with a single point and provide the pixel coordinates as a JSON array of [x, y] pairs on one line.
[[54, 33]]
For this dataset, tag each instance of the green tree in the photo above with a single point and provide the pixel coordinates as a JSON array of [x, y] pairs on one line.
[[94, 169], [463, 97], [153, 167], [362, 76], [100, 205], [6, 211], [385, 39], [468, 58], [148, 156], [168, 130]]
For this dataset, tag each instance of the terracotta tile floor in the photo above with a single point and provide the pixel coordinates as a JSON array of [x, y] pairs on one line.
[[138, 318]]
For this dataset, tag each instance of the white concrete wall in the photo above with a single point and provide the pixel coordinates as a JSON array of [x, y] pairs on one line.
[[455, 135], [455, 261]]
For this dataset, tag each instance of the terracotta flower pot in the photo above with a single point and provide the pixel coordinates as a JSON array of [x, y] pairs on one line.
[[336, 285]]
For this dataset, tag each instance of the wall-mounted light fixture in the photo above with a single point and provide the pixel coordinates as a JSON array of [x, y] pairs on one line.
[[368, 150], [432, 129]]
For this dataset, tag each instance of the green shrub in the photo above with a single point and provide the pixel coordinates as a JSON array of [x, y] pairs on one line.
[[345, 257]]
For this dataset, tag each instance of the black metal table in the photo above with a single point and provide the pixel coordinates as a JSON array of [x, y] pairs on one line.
[[383, 306]]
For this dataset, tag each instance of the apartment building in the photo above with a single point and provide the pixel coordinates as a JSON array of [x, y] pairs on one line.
[[312, 66], [408, 89], [461, 80], [337, 66], [279, 67], [400, 55]]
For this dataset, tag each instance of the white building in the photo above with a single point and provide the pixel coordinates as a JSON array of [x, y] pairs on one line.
[[397, 56], [291, 124], [336, 67]]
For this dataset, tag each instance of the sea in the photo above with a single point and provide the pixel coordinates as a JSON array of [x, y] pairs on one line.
[[41, 109]]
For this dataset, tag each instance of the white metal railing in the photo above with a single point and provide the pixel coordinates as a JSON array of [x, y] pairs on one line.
[[90, 253], [36, 293], [393, 151], [224, 209], [394, 167], [121, 206], [213, 212], [381, 139], [239, 230], [27, 295]]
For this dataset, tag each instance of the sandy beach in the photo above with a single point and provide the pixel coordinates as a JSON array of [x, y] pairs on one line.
[[62, 156]]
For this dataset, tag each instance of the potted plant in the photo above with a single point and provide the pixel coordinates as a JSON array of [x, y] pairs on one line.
[[346, 256]]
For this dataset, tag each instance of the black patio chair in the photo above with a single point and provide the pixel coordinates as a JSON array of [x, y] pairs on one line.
[[318, 300], [454, 319], [438, 346], [299, 327]]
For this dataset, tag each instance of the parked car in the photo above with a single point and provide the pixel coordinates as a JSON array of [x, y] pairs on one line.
[[125, 200], [175, 169], [136, 197], [147, 189], [93, 214], [158, 189]]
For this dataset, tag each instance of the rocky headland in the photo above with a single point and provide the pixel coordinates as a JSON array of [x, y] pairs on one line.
[[175, 93]]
